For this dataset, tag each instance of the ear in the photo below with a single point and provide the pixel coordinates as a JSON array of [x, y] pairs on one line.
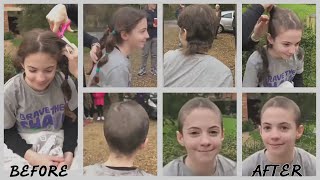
[[260, 129], [144, 144], [222, 134], [180, 138], [22, 65], [124, 35], [300, 130], [270, 39], [184, 34]]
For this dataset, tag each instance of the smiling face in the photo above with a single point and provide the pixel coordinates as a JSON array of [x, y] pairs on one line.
[[279, 131], [286, 43], [201, 135], [40, 69], [138, 36]]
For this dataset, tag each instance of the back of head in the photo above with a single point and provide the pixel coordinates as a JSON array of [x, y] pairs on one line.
[[284, 103], [195, 103], [282, 20], [126, 127], [199, 22]]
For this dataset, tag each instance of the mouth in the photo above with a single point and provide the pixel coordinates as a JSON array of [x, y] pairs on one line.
[[275, 145], [209, 150]]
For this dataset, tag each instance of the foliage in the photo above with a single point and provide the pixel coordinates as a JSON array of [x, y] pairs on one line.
[[33, 16], [248, 126], [8, 35], [9, 70]]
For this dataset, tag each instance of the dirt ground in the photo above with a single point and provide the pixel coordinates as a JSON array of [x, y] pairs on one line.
[[147, 80], [95, 149], [223, 47]]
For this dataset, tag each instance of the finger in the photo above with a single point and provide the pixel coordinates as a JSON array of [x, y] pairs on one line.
[[56, 159], [70, 29], [94, 57], [264, 18], [56, 27]]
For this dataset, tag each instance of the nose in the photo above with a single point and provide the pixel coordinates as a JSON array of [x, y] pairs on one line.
[[275, 134], [293, 49], [205, 140], [147, 35], [41, 78]]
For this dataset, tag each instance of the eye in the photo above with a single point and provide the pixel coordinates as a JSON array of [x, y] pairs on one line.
[[213, 133], [32, 70], [48, 71], [266, 128], [194, 133], [286, 44], [284, 128]]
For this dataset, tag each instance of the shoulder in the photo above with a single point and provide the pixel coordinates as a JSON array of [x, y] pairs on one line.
[[92, 170], [306, 156], [255, 58], [213, 64], [229, 166], [251, 162], [13, 84], [172, 168], [171, 54]]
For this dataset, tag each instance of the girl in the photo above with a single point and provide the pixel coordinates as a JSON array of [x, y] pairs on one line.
[[127, 31], [40, 127], [191, 66], [280, 127], [201, 133], [99, 103], [281, 60]]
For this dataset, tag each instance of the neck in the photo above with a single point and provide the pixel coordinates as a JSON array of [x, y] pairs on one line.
[[125, 49], [116, 160], [199, 168], [281, 159]]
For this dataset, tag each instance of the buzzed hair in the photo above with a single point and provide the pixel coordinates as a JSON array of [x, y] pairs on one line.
[[284, 103], [195, 103], [126, 127]]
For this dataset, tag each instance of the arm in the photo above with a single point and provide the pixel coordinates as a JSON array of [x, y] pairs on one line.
[[249, 20], [298, 80], [72, 11], [70, 134], [117, 77]]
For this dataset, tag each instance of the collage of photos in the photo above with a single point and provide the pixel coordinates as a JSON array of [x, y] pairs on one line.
[[190, 111]]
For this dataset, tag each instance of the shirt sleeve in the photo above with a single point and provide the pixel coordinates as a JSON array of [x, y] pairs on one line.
[[70, 134], [117, 77], [73, 102], [250, 78]]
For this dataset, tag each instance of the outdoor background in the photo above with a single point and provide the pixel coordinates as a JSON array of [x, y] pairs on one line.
[[251, 106], [223, 48], [95, 20], [23, 18], [95, 147], [171, 107], [307, 14]]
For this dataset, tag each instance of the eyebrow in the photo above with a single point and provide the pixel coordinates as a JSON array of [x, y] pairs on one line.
[[212, 127], [37, 68]]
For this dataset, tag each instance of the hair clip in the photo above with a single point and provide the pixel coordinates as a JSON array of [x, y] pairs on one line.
[[114, 32], [97, 70], [106, 54]]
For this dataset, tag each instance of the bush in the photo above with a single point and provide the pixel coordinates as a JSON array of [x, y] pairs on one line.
[[248, 126], [9, 70], [8, 35]]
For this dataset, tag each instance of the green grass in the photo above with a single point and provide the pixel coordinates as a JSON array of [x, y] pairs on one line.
[[72, 37], [16, 42], [230, 124]]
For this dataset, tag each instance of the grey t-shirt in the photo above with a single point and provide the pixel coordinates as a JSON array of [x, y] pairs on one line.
[[101, 170], [115, 73], [35, 111], [302, 159], [280, 70], [177, 167], [197, 70]]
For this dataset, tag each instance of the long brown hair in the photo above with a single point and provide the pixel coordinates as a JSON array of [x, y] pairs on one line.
[[38, 40]]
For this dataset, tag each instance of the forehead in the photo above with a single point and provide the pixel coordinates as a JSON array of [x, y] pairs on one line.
[[292, 35], [39, 60], [277, 115], [201, 118], [141, 24]]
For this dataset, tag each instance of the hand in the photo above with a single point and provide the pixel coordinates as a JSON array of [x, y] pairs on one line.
[[261, 27], [68, 158], [267, 7], [95, 49], [72, 54], [58, 16], [35, 158]]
